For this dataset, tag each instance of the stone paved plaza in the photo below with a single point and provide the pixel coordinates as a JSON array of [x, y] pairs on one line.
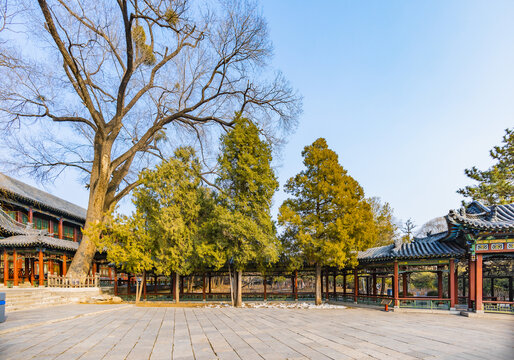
[[129, 332]]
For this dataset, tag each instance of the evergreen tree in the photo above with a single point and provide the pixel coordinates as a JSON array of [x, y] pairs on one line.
[[327, 218], [162, 232], [495, 185], [241, 227]]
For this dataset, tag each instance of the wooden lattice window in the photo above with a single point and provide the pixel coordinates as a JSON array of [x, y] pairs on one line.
[[41, 224], [68, 233]]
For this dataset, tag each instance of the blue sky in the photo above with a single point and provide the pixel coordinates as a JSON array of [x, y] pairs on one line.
[[408, 93]]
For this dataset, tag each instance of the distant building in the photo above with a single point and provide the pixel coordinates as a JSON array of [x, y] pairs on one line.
[[39, 233]]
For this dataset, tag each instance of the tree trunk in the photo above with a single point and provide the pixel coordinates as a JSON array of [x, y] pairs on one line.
[[317, 285], [231, 280], [176, 288], [99, 186], [239, 288], [138, 290]]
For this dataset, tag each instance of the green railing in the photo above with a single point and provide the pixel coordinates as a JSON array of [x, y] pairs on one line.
[[504, 307], [369, 299], [429, 303], [343, 298]]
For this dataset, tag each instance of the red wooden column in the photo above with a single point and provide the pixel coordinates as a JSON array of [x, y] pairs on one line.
[[32, 271], [94, 268], [115, 282], [355, 284], [75, 235], [264, 284], [41, 269], [472, 282], [109, 269], [405, 286], [60, 229], [50, 228], [64, 264], [27, 269], [15, 266], [31, 216], [6, 267], [395, 285], [51, 266], [296, 284], [203, 287], [374, 283], [451, 284], [439, 283], [478, 287]]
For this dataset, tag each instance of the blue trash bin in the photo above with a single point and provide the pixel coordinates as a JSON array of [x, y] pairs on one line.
[[2, 307], [389, 292]]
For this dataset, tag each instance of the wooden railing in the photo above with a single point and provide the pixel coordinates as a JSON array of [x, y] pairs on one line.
[[64, 282], [499, 306]]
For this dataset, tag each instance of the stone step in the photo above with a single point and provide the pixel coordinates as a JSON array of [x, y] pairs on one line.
[[21, 299]]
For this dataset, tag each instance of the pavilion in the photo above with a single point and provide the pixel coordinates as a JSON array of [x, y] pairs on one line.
[[473, 258], [479, 242]]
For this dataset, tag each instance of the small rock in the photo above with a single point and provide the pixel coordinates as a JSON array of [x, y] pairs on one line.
[[116, 300]]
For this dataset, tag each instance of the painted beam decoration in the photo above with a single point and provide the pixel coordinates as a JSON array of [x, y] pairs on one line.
[[494, 245]]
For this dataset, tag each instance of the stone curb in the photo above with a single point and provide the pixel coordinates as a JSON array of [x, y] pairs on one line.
[[24, 327]]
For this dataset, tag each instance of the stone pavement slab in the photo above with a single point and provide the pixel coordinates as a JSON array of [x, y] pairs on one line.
[[17, 319], [131, 332]]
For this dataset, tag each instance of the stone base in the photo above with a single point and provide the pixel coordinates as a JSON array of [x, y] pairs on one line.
[[29, 298]]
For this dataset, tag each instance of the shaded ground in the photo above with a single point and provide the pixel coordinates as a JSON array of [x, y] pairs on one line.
[[130, 332]]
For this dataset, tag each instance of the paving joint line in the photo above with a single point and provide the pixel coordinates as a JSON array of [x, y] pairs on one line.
[[53, 321]]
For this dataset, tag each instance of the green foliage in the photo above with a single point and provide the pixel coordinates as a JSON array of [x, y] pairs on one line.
[[126, 241], [424, 280], [495, 185], [241, 227], [171, 200], [162, 232], [387, 230], [327, 219]]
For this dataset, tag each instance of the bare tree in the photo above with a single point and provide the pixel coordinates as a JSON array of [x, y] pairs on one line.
[[408, 228], [112, 84], [9, 13], [434, 226]]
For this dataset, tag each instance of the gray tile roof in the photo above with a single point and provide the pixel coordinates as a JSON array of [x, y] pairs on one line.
[[481, 217], [41, 198], [38, 241], [12, 227], [429, 247]]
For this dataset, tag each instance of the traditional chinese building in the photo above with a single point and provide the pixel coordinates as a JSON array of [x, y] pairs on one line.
[[473, 260], [479, 242], [39, 233]]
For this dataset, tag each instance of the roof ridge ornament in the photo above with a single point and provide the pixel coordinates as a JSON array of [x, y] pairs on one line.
[[397, 244]]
